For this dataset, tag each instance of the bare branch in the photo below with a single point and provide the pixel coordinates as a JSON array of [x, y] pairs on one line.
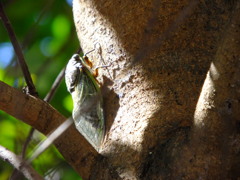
[[55, 85], [43, 117], [18, 51], [18, 163], [28, 139]]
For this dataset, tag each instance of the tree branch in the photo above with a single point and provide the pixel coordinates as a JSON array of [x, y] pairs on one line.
[[43, 117], [18, 51], [55, 85], [18, 163]]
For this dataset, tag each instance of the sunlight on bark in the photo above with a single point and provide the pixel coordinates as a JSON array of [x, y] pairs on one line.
[[206, 99]]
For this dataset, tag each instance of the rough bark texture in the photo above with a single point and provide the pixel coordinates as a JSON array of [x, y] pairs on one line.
[[159, 54]]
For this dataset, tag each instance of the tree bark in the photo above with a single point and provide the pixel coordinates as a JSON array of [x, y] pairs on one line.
[[40, 115], [163, 121]]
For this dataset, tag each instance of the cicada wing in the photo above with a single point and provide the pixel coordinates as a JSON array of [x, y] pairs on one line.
[[88, 109]]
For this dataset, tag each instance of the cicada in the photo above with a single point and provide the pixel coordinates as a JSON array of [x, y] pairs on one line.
[[87, 99]]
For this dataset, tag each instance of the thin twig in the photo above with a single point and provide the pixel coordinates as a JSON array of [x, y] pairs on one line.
[[18, 163], [18, 51], [42, 146], [55, 85], [27, 141]]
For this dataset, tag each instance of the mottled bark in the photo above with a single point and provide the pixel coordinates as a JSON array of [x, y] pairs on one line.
[[159, 54]]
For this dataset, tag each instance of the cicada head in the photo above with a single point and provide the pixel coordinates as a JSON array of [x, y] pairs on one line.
[[72, 72]]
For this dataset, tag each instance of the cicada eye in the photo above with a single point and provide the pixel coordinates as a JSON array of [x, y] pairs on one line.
[[76, 57]]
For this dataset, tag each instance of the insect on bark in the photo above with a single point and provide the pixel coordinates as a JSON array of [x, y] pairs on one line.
[[87, 99]]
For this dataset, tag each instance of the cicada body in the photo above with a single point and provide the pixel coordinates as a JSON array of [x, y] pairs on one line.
[[87, 99]]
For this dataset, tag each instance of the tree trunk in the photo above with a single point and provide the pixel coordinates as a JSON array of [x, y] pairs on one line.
[[171, 90]]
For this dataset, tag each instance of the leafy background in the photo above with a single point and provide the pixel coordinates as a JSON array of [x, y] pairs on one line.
[[47, 34]]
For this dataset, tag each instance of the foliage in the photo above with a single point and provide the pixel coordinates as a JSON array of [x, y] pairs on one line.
[[47, 34]]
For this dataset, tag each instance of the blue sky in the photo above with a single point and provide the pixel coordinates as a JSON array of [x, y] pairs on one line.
[[6, 54]]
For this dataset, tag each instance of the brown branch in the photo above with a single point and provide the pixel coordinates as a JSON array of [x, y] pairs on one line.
[[18, 51], [18, 163], [43, 117]]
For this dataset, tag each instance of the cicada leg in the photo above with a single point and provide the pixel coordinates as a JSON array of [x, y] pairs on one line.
[[95, 72], [87, 61], [90, 64], [95, 75]]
